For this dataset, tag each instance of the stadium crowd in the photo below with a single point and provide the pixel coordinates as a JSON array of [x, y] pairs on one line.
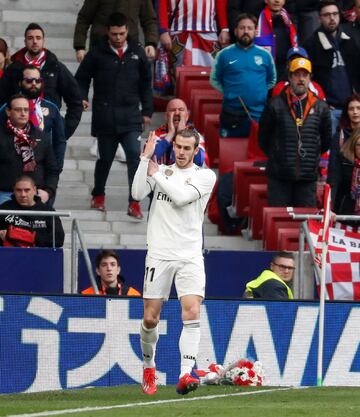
[[247, 57]]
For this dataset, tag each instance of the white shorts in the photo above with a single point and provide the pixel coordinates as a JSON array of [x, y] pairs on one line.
[[189, 277]]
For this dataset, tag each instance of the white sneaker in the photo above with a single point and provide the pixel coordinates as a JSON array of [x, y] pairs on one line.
[[120, 154], [94, 149]]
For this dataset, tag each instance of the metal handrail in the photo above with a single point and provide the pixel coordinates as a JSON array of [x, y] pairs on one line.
[[34, 213], [76, 232]]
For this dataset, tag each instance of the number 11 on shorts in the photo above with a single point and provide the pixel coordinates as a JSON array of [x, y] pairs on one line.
[[150, 271]]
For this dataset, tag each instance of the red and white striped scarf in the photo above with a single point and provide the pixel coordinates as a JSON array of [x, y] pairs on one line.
[[38, 62], [24, 145]]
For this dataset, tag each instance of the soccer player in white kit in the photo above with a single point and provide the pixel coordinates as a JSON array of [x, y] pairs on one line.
[[174, 239]]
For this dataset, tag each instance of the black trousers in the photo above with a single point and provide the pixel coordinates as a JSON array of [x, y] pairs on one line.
[[282, 193], [131, 142]]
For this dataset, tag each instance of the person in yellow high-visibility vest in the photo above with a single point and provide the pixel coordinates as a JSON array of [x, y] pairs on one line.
[[273, 282]]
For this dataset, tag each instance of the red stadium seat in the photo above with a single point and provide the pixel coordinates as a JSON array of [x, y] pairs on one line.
[[186, 69], [257, 201], [275, 218], [231, 150], [211, 135], [288, 239], [245, 173], [204, 102], [187, 79]]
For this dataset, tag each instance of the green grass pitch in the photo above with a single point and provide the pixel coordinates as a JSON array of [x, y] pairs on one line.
[[219, 401]]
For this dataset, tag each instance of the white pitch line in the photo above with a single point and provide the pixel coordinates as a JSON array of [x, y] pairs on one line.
[[159, 402]]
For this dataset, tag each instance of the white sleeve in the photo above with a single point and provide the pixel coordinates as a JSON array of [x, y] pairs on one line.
[[142, 184], [182, 194]]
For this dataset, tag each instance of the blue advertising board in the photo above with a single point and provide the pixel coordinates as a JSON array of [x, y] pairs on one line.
[[60, 342]]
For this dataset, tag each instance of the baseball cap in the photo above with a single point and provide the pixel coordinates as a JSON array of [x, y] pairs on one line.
[[296, 51], [300, 63]]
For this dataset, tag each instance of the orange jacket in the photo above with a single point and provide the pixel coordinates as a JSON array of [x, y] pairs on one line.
[[131, 292], [123, 289]]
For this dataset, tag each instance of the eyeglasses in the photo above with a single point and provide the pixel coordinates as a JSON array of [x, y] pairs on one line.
[[330, 14], [33, 80], [283, 267]]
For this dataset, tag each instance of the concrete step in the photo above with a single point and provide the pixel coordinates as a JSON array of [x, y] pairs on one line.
[[89, 226], [121, 227], [12, 30], [82, 202], [60, 5], [39, 16], [96, 240]]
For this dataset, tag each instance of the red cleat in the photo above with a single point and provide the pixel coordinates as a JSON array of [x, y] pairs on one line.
[[134, 210], [148, 385], [98, 202], [186, 384]]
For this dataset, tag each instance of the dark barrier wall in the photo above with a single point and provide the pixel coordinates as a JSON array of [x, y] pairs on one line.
[[227, 271], [40, 270], [58, 342], [36, 270]]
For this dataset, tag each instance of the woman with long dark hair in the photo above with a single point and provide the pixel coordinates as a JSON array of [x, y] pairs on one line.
[[346, 177]]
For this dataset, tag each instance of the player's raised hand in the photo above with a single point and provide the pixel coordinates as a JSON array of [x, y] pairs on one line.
[[150, 144], [153, 167]]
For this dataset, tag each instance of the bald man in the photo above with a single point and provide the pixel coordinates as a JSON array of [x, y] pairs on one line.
[[177, 118]]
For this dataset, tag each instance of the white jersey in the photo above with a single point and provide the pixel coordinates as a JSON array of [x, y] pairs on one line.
[[177, 209]]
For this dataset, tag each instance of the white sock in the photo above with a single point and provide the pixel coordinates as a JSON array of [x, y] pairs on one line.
[[189, 345], [148, 340]]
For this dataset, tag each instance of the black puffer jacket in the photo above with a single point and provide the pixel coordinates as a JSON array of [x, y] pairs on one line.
[[41, 225], [46, 174], [279, 139], [59, 84], [120, 85]]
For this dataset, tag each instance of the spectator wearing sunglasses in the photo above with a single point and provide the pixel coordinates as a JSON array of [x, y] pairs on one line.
[[44, 114], [59, 84], [273, 283]]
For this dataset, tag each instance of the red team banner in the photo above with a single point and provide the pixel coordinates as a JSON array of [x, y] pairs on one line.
[[342, 260]]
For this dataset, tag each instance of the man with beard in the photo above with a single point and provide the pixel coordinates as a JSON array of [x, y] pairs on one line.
[[244, 73], [336, 59], [294, 129], [44, 114]]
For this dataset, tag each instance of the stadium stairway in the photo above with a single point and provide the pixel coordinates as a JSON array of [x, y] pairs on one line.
[[112, 228]]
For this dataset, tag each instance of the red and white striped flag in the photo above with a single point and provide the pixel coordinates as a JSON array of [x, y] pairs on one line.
[[342, 279]]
